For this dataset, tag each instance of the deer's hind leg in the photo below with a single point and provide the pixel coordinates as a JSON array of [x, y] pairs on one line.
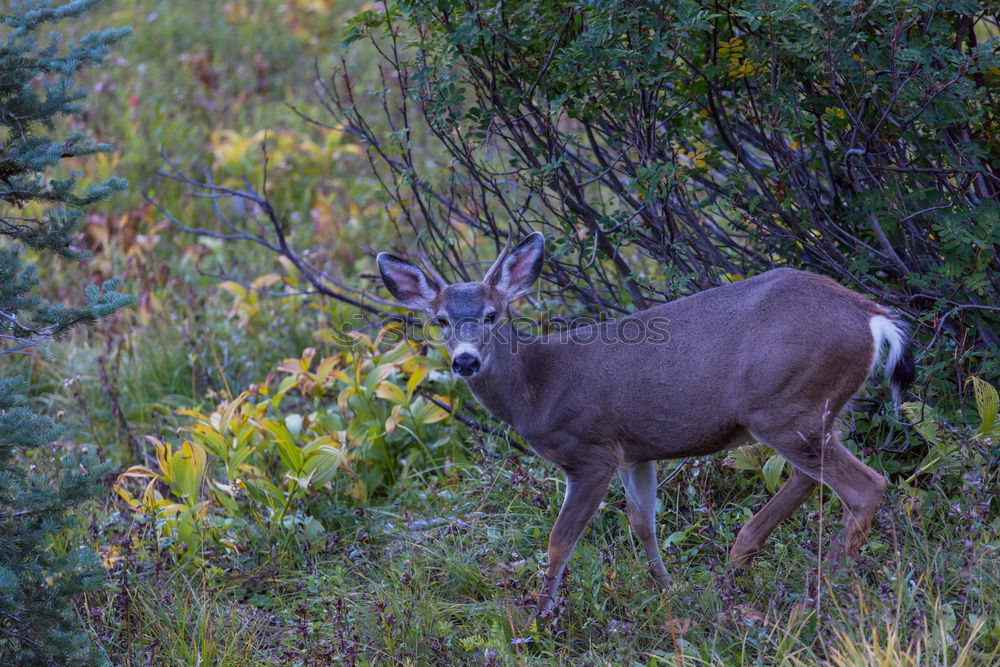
[[823, 458], [639, 482], [789, 497]]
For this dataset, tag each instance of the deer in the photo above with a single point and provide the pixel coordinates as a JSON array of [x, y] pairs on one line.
[[773, 358]]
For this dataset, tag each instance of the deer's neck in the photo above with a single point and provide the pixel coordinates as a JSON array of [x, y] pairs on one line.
[[503, 386]]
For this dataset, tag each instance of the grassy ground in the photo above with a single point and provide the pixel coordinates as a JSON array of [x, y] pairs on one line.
[[440, 569], [444, 574]]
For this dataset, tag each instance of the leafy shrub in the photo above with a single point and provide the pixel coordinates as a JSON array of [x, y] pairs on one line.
[[667, 147], [953, 452], [264, 464]]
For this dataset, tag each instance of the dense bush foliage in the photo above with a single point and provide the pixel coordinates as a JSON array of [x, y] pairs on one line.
[[670, 147]]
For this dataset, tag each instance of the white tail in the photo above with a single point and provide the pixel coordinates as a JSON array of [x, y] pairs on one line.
[[899, 365]]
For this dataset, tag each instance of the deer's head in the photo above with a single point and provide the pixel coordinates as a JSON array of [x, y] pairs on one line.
[[466, 312]]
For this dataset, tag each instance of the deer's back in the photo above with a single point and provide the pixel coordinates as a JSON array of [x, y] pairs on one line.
[[782, 340]]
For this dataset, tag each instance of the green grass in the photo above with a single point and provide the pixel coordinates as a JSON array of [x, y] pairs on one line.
[[444, 574]]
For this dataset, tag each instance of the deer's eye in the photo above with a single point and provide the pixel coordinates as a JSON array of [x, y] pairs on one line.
[[491, 317], [439, 322]]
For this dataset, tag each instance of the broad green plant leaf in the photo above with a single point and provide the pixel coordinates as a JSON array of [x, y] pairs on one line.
[[986, 406], [186, 470], [289, 453], [265, 492], [284, 387], [927, 422], [210, 439], [425, 412], [772, 472], [322, 459], [924, 420], [376, 375]]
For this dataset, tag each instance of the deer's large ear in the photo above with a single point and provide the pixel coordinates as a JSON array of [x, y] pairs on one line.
[[406, 282], [514, 274]]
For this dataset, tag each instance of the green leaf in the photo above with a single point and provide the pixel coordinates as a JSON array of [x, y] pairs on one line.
[[293, 423], [186, 471], [236, 459], [223, 494], [289, 453], [323, 459], [750, 457], [283, 388], [772, 471], [397, 355], [323, 465], [210, 439], [376, 375], [265, 492], [986, 405], [924, 421], [675, 537]]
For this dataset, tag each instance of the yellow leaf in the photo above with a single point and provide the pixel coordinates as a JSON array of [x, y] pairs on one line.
[[138, 472], [394, 418], [416, 377], [150, 496], [127, 497], [209, 438], [287, 265], [229, 544], [194, 414], [226, 418], [428, 413], [445, 400], [325, 369], [390, 392], [111, 556], [376, 375], [361, 338], [171, 509], [987, 405], [162, 454], [266, 280], [234, 288], [345, 396]]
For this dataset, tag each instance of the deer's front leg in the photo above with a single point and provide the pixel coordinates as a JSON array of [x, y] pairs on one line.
[[584, 491]]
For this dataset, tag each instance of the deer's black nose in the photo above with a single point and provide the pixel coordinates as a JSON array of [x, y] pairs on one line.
[[465, 365]]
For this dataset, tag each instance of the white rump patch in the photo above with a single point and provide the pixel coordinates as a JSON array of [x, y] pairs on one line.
[[886, 332]]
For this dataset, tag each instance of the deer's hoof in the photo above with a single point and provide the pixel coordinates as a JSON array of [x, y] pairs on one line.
[[546, 606], [660, 579], [740, 556]]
